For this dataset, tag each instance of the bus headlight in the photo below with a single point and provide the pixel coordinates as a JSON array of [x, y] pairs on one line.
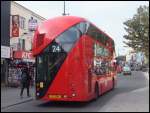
[[37, 94]]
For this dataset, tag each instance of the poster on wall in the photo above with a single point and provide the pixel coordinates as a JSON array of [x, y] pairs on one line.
[[32, 24], [15, 25], [5, 52]]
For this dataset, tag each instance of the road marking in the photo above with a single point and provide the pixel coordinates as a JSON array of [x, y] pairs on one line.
[[17, 103]]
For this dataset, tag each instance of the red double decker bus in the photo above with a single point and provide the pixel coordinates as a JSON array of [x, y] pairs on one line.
[[74, 60]]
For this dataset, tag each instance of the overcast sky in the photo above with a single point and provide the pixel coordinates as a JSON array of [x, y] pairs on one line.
[[107, 15]]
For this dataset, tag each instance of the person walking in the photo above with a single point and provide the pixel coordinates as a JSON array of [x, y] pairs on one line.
[[25, 81]]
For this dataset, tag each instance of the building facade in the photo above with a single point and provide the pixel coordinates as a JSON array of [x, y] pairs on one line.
[[17, 30], [23, 24], [5, 40]]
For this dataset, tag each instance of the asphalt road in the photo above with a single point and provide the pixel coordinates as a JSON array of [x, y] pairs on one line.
[[130, 95]]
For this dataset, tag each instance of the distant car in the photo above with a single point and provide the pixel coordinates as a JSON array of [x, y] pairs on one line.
[[127, 70]]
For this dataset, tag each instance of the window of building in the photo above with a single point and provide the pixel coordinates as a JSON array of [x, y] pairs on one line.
[[21, 44], [22, 22]]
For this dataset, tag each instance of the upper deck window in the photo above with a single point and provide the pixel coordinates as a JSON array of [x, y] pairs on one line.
[[82, 26], [97, 35], [68, 38]]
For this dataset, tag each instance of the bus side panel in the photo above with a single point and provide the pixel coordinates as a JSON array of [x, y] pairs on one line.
[[82, 62], [88, 60], [77, 75], [59, 85], [71, 78]]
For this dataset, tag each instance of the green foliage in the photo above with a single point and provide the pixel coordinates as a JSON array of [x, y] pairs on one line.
[[137, 30]]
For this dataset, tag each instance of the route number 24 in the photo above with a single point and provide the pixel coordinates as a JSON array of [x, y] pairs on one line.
[[56, 48]]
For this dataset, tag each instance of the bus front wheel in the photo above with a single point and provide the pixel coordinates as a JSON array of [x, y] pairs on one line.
[[96, 91], [113, 82]]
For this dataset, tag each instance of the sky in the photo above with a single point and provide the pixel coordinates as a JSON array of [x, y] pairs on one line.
[[109, 16]]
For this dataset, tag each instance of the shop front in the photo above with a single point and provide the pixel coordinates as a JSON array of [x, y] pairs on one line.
[[5, 56], [4, 71], [20, 60]]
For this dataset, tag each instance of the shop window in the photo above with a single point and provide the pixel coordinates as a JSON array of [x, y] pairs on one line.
[[22, 22], [21, 44]]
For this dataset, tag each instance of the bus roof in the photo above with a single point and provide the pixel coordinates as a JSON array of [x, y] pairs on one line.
[[52, 28]]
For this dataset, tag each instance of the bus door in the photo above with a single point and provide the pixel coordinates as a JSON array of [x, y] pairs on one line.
[[48, 64], [41, 75]]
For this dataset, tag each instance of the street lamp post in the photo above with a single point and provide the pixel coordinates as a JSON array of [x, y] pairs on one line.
[[64, 10], [118, 51], [64, 14]]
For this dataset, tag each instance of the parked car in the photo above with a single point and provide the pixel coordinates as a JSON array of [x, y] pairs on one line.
[[127, 70]]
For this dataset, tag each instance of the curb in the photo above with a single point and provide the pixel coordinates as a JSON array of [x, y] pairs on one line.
[[17, 103], [146, 74]]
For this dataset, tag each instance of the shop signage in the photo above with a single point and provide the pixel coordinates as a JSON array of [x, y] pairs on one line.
[[5, 52], [26, 55], [29, 60], [15, 26], [32, 24], [23, 55]]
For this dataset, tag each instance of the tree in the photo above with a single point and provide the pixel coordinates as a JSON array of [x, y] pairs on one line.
[[138, 31]]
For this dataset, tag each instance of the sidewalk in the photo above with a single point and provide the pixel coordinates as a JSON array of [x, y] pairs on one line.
[[146, 74], [11, 96]]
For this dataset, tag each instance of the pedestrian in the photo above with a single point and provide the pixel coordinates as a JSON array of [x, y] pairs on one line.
[[25, 81]]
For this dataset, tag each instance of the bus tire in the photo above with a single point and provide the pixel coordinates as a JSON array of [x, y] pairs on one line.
[[96, 91], [113, 82]]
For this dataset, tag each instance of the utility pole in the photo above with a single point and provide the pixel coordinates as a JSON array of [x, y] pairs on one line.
[[118, 51], [64, 14], [64, 9]]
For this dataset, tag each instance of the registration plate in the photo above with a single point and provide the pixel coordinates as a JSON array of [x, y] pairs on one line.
[[54, 96]]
